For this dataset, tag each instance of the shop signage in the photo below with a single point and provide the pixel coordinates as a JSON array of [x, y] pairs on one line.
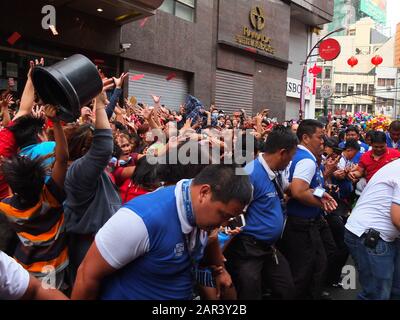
[[252, 36], [293, 89], [329, 49]]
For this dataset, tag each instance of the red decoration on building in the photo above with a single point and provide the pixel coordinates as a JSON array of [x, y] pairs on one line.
[[353, 61], [377, 60], [315, 70]]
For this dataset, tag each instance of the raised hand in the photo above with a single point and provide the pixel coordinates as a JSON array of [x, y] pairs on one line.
[[156, 99], [50, 112], [6, 102], [33, 64], [120, 81], [102, 97]]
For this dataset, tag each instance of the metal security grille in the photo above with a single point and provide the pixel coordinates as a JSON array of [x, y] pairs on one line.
[[173, 92], [233, 92]]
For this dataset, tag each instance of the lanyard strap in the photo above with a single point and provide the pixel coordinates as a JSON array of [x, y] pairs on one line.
[[187, 202]]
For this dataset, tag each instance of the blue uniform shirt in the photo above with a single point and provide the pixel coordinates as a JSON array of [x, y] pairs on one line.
[[264, 217]]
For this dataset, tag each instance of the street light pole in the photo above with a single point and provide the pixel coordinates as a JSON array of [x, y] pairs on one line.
[[302, 91]]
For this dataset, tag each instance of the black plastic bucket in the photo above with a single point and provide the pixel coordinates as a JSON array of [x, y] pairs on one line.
[[68, 84]]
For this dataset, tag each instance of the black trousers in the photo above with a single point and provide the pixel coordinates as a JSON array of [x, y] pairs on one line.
[[253, 267], [308, 245], [338, 260]]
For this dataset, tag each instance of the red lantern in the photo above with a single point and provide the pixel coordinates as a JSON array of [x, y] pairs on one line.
[[377, 60], [352, 61]]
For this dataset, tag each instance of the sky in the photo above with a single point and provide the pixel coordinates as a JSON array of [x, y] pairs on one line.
[[393, 14]]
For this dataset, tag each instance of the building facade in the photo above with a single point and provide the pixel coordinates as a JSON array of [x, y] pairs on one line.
[[237, 54], [364, 87]]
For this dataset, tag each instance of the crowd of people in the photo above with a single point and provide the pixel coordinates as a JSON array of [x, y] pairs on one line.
[[148, 202]]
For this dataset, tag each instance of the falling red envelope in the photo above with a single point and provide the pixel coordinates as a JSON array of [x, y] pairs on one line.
[[13, 38], [171, 76], [137, 77], [143, 22]]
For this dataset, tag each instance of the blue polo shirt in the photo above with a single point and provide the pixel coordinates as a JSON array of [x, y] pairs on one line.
[[264, 217]]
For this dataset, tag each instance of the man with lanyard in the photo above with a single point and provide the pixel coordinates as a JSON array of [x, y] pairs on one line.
[[393, 135], [149, 249], [353, 133], [302, 242], [252, 259]]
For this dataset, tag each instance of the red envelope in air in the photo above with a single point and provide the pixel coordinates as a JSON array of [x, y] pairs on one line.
[[137, 77], [171, 76], [13, 38], [143, 22]]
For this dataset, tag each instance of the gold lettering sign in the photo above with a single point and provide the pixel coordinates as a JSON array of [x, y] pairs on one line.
[[253, 38], [257, 18]]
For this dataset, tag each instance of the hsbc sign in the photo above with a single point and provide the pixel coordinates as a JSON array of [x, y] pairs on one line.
[[293, 89]]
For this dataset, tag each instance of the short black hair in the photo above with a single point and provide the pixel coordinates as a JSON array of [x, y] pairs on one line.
[[378, 137], [280, 138], [25, 177], [395, 125], [352, 144], [308, 127], [225, 184], [145, 174], [369, 134], [352, 128], [26, 130]]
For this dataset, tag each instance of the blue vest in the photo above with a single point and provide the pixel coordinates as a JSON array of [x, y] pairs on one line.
[[294, 207], [264, 217], [164, 272], [389, 141]]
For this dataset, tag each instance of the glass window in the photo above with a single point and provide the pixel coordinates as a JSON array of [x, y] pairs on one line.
[[189, 3], [364, 89], [390, 82], [344, 88], [381, 82], [338, 87], [183, 11], [168, 6], [351, 88], [358, 87], [318, 93], [371, 89], [327, 73]]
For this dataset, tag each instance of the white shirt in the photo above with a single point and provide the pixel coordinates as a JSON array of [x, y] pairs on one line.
[[373, 207], [124, 236], [305, 169], [14, 279]]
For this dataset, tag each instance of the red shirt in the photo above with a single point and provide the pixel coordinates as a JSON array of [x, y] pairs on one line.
[[8, 148], [371, 165], [129, 191]]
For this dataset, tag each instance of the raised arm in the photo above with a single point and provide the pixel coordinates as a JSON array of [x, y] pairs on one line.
[[28, 96], [61, 153], [116, 94]]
